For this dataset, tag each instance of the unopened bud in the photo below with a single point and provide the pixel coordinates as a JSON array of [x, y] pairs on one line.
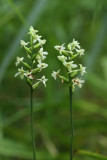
[[36, 46], [28, 50], [29, 82], [34, 71], [33, 57], [64, 53], [63, 79], [35, 85], [74, 56], [73, 74], [26, 65]]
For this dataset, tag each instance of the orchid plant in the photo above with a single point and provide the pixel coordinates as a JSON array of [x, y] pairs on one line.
[[68, 58], [36, 56]]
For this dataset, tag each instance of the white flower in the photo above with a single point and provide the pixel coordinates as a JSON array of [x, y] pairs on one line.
[[41, 42], [18, 60], [32, 31], [73, 45], [81, 51], [41, 65], [78, 82], [82, 69], [23, 43], [55, 74], [62, 58], [43, 80], [41, 55], [28, 75], [21, 72], [70, 65], [60, 48], [70, 52], [37, 38]]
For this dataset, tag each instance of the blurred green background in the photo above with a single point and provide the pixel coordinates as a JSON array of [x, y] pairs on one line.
[[59, 21]]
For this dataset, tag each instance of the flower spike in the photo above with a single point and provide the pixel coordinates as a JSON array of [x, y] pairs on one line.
[[28, 71], [67, 58]]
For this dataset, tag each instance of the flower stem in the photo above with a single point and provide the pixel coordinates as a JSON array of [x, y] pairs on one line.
[[32, 128], [71, 117]]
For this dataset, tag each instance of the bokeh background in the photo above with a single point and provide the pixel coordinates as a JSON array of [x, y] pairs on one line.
[[59, 21]]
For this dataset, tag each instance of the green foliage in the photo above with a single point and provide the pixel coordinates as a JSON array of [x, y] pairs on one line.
[[92, 155]]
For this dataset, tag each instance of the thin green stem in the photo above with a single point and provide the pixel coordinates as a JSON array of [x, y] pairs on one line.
[[32, 128], [71, 117]]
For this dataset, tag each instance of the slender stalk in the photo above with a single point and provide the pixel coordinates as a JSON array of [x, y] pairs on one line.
[[71, 116], [32, 128]]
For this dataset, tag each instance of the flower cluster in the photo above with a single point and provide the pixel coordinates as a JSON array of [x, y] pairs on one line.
[[67, 57], [36, 56]]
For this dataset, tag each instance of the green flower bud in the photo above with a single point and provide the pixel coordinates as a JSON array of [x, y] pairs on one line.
[[34, 71], [28, 56], [73, 74], [64, 79], [31, 41], [35, 85], [69, 46], [29, 82], [74, 56], [36, 46], [64, 53], [28, 50], [34, 61], [33, 57], [26, 65]]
